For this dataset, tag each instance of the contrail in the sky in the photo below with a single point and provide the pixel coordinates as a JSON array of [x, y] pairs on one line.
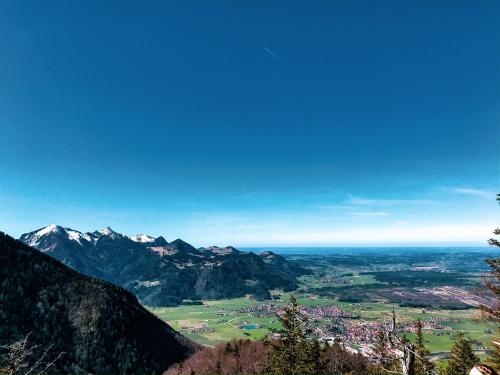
[[276, 56]]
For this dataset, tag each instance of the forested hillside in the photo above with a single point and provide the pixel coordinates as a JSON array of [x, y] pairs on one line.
[[100, 328]]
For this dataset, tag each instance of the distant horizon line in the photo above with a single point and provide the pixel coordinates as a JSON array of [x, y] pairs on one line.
[[366, 246], [379, 245]]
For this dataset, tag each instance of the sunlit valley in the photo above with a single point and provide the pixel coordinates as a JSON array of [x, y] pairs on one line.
[[249, 188]]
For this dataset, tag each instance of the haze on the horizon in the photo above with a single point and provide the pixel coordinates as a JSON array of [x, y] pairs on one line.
[[272, 124]]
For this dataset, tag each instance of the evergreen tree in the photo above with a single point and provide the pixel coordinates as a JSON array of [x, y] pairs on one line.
[[293, 354], [423, 365], [313, 360], [462, 359], [492, 283]]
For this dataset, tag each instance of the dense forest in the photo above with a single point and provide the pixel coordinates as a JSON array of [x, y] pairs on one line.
[[90, 325]]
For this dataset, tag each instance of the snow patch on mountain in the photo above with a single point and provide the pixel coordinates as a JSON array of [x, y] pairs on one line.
[[148, 284], [78, 236], [107, 231], [48, 229], [144, 238], [33, 238]]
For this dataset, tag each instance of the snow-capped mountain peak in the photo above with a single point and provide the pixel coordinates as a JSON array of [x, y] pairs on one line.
[[107, 231], [35, 238], [144, 238], [52, 228]]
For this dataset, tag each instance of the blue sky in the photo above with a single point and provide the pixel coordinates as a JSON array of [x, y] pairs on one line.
[[253, 123]]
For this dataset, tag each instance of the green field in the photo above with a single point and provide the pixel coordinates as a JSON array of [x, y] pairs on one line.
[[223, 319], [221, 316], [371, 286]]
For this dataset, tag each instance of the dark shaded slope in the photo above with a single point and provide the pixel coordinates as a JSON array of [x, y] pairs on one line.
[[162, 273], [101, 327]]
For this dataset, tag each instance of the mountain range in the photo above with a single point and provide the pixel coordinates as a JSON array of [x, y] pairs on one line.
[[162, 273], [95, 326]]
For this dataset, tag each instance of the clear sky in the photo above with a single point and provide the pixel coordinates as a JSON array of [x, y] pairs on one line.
[[252, 123]]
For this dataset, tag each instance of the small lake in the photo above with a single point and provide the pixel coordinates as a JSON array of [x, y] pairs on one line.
[[249, 326]]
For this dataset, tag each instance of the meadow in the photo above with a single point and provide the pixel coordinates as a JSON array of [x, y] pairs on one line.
[[220, 321], [362, 291]]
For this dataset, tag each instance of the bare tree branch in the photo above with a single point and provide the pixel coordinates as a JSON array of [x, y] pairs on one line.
[[17, 361]]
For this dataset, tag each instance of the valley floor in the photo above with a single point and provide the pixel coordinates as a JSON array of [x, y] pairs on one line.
[[220, 321], [350, 298]]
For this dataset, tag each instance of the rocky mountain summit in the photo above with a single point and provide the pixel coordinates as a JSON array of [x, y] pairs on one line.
[[162, 273]]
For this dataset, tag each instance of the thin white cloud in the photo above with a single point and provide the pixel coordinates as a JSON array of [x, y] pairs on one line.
[[370, 213], [384, 202], [474, 192], [313, 229], [351, 220], [274, 234], [390, 234], [401, 222]]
